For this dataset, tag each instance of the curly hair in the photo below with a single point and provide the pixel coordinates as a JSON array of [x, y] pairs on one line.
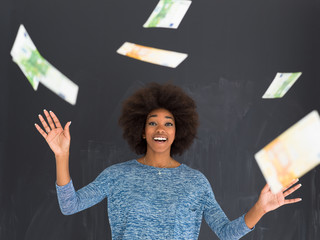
[[154, 96]]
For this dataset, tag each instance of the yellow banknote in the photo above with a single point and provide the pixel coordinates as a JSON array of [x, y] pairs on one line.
[[292, 154], [152, 55]]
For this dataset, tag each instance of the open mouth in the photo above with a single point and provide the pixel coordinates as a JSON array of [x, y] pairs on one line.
[[160, 139]]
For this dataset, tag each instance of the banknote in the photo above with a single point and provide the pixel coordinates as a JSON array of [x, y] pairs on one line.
[[25, 54], [281, 84], [168, 14], [60, 84], [152, 55], [292, 154], [37, 69]]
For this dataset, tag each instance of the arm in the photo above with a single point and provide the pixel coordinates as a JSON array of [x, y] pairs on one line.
[[62, 169], [222, 226], [217, 219], [58, 140], [71, 201], [268, 202]]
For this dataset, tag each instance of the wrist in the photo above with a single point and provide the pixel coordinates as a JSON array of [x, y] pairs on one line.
[[62, 155], [254, 215], [260, 209]]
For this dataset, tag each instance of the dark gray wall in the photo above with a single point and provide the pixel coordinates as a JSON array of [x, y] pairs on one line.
[[235, 49]]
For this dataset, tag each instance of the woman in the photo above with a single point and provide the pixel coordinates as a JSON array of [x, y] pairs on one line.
[[154, 197]]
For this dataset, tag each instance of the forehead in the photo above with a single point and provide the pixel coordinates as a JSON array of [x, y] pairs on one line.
[[161, 112]]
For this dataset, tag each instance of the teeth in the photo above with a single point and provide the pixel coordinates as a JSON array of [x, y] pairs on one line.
[[160, 138]]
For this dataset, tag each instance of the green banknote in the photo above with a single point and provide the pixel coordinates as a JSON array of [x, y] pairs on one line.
[[37, 69], [25, 54], [281, 84], [168, 14]]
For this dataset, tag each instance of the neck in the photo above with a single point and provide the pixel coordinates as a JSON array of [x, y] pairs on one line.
[[158, 160]]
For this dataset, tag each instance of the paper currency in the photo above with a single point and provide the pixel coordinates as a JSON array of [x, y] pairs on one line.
[[60, 84], [152, 55], [281, 84], [25, 54], [292, 154], [168, 14], [37, 69]]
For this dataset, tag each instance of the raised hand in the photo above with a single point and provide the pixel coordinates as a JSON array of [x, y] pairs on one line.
[[57, 138], [269, 201]]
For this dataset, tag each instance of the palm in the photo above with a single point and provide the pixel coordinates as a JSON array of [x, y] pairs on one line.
[[57, 138], [271, 201]]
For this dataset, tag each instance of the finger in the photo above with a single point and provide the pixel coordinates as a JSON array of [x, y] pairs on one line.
[[290, 201], [55, 119], [49, 119], [67, 130], [290, 185], [44, 123], [291, 190], [41, 131]]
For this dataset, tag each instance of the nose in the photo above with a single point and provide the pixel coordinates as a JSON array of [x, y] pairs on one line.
[[160, 129]]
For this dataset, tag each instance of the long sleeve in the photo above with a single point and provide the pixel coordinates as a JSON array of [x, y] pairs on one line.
[[219, 222], [71, 201]]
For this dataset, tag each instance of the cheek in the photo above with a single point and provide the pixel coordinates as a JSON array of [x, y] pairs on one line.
[[173, 134], [148, 134], [147, 131]]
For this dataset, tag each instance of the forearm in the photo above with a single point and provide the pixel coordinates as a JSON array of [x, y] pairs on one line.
[[62, 169], [221, 225], [72, 201], [254, 215]]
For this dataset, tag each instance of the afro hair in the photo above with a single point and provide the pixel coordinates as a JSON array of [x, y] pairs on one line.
[[155, 96]]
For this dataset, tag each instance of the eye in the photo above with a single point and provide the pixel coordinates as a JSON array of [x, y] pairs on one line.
[[169, 124], [152, 124]]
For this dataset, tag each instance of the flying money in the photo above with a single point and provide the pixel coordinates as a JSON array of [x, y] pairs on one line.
[[37, 69], [292, 154], [152, 55], [281, 84], [25, 54], [168, 14]]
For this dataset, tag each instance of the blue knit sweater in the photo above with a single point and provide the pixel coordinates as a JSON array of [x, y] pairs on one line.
[[146, 202]]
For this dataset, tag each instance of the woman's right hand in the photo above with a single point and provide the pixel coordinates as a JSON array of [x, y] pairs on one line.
[[57, 138]]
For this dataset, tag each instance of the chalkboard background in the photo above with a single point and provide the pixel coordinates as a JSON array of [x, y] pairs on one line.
[[235, 49]]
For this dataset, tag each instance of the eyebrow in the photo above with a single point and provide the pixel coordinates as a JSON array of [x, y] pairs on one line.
[[155, 115]]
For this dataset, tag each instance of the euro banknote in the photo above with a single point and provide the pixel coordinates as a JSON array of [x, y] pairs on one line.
[[292, 154], [152, 55], [25, 54], [37, 69], [168, 14], [281, 84]]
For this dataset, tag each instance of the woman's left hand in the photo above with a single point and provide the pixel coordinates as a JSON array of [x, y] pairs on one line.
[[269, 201]]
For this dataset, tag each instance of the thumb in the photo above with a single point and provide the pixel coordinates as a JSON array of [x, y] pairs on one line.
[[67, 129], [266, 188]]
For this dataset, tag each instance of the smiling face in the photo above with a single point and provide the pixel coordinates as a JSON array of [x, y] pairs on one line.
[[160, 131]]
